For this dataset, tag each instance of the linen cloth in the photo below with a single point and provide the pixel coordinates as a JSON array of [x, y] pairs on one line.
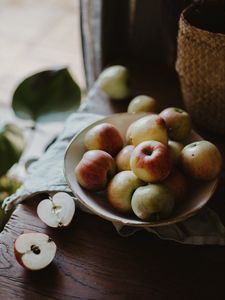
[[47, 175]]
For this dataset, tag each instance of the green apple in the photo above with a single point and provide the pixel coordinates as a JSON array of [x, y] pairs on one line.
[[152, 202], [142, 103], [121, 189], [114, 81], [12, 143], [175, 149], [202, 160], [178, 123]]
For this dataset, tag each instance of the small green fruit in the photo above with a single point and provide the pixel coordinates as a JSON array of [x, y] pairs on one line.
[[202, 160], [114, 82], [12, 143], [178, 122], [175, 149], [8, 186], [142, 103], [152, 202]]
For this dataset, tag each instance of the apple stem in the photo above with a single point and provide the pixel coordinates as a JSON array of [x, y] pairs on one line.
[[147, 152], [179, 110]]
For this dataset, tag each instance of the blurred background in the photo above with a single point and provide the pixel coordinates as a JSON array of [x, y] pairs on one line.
[[34, 36]]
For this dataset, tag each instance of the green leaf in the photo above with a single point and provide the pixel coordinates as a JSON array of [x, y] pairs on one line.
[[47, 94], [12, 144]]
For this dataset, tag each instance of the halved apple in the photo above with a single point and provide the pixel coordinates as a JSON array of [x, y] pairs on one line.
[[34, 251], [57, 211]]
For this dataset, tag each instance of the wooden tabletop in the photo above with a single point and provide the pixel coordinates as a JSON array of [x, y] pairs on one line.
[[94, 262]]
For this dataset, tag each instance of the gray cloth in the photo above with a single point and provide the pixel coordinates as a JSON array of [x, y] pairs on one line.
[[46, 175]]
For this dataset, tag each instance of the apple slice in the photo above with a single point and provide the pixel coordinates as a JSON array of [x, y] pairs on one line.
[[34, 251], [57, 211]]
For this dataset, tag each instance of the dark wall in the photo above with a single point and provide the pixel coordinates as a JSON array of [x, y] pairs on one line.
[[141, 30]]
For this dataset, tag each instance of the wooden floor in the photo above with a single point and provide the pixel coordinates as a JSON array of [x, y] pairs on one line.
[[37, 35]]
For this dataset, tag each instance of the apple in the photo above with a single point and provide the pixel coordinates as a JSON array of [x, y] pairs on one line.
[[177, 183], [150, 127], [150, 161], [152, 202], [178, 123], [114, 81], [104, 137], [57, 211], [121, 189], [142, 103], [201, 160], [123, 158], [95, 169], [34, 251], [175, 149]]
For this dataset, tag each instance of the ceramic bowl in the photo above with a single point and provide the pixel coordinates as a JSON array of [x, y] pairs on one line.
[[198, 196]]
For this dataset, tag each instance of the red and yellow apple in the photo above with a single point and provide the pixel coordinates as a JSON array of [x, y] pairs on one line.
[[104, 137], [150, 127], [152, 202], [120, 190], [178, 123], [142, 103], [123, 158], [201, 160], [95, 169], [150, 161], [178, 184]]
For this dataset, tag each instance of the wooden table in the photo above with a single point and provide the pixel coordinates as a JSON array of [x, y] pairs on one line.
[[94, 262]]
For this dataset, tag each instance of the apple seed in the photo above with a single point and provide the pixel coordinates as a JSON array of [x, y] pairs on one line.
[[35, 249]]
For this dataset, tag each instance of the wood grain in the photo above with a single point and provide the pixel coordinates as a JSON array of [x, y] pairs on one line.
[[94, 262]]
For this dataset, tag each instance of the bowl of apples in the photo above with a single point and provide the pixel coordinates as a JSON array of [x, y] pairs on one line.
[[142, 169]]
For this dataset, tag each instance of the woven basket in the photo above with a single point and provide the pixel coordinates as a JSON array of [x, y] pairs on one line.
[[201, 68]]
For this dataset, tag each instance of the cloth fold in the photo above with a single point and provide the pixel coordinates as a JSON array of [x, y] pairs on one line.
[[46, 176]]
